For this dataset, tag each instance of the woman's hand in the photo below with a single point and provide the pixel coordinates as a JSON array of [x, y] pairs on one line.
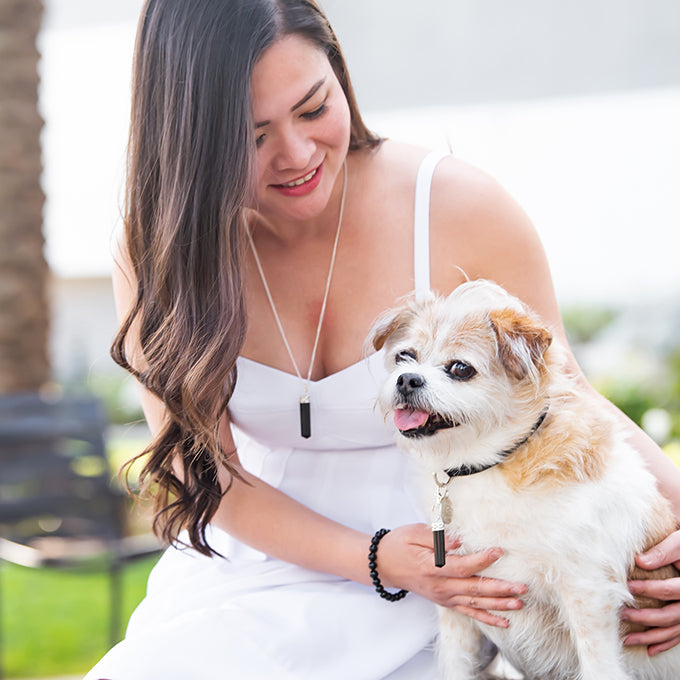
[[406, 560], [664, 622]]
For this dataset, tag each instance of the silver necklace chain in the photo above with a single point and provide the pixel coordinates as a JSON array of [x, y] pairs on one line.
[[325, 296]]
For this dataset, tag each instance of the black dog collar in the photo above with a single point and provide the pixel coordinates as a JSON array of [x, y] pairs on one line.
[[467, 470]]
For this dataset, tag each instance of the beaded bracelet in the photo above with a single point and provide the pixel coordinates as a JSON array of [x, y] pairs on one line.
[[373, 566]]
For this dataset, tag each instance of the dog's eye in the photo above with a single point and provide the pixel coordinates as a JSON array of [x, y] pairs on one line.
[[404, 355], [460, 370]]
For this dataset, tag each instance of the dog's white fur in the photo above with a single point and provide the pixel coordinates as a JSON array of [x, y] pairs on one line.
[[570, 508]]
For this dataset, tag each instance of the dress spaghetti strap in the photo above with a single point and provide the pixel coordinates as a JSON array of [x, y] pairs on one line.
[[421, 223]]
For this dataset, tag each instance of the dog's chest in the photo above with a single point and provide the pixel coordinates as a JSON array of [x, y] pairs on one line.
[[485, 512], [537, 528]]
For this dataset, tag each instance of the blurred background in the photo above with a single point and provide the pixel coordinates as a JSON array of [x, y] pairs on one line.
[[574, 107]]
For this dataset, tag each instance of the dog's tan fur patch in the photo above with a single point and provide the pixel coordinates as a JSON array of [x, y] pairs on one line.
[[561, 453]]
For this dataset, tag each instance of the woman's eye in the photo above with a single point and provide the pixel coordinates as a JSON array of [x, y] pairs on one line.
[[404, 355], [259, 139], [460, 370], [311, 115]]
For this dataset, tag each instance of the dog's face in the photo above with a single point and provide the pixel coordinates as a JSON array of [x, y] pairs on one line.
[[465, 371]]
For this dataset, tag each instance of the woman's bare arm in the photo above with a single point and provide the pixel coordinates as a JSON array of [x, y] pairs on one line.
[[268, 520]]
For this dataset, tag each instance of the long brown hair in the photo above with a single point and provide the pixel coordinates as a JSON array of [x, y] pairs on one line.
[[190, 164]]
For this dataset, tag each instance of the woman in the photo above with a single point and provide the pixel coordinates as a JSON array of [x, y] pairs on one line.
[[266, 228]]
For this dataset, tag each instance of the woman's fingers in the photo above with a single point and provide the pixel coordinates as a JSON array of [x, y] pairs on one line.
[[487, 603], [667, 590], [657, 639], [409, 563], [484, 616], [477, 586], [463, 588], [481, 593], [653, 650], [663, 622], [463, 566], [664, 553], [667, 617], [464, 591]]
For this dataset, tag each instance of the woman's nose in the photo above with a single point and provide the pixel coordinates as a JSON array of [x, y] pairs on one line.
[[294, 150]]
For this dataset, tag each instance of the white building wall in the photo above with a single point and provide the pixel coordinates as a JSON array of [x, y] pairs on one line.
[[82, 327], [572, 105]]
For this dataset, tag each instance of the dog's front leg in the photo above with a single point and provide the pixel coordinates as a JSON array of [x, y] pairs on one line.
[[459, 646], [594, 621]]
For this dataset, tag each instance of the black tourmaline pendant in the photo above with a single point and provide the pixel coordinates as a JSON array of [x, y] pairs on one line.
[[305, 417], [443, 513], [439, 549]]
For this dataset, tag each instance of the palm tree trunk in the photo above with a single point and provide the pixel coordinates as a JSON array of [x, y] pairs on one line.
[[24, 314]]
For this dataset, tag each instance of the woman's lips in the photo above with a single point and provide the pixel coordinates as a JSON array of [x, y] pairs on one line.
[[300, 186]]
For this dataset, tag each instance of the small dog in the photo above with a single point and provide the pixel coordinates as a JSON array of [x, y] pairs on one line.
[[480, 395]]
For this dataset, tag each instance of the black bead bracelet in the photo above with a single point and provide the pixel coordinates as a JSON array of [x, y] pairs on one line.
[[373, 566]]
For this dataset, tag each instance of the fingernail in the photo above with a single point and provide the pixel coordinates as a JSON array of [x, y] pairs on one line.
[[635, 587], [495, 553], [516, 604], [519, 589], [644, 560], [632, 640]]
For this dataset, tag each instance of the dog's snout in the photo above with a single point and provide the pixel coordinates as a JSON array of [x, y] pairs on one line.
[[409, 382]]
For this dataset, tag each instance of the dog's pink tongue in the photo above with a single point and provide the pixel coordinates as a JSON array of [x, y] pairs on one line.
[[408, 419]]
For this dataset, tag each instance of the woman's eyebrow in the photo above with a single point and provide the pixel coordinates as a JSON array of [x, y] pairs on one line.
[[312, 91]]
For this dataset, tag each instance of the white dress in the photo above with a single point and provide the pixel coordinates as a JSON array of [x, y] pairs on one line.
[[248, 616]]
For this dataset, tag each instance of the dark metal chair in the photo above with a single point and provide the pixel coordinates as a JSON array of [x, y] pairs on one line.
[[58, 506]]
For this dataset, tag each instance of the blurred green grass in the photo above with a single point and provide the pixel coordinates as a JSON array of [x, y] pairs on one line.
[[56, 622]]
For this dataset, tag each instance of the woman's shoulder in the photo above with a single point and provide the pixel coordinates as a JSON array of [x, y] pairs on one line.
[[468, 202], [397, 164], [464, 198], [478, 226], [466, 189], [394, 162]]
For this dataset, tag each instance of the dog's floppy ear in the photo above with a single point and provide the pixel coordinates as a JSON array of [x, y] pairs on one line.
[[382, 329], [521, 341], [385, 325]]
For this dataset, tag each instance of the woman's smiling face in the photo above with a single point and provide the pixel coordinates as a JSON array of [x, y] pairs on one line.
[[302, 127]]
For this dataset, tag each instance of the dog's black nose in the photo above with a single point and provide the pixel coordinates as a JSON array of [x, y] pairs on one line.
[[409, 382]]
